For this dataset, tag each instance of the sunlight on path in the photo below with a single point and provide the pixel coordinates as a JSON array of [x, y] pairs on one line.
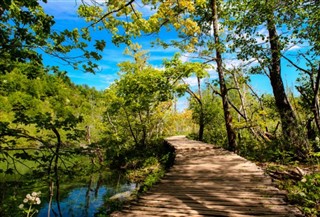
[[209, 181]]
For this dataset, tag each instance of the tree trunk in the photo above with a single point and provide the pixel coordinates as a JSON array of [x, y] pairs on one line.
[[201, 118], [198, 98], [57, 152], [201, 124], [315, 103], [287, 115], [223, 88]]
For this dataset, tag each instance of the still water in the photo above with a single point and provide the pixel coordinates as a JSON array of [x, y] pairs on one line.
[[81, 201], [83, 192]]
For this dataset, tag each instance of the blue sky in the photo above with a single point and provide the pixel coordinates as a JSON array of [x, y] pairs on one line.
[[65, 15]]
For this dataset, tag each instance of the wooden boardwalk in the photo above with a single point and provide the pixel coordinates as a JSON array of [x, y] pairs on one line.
[[210, 181]]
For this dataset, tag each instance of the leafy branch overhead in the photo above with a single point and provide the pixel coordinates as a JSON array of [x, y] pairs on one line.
[[26, 29]]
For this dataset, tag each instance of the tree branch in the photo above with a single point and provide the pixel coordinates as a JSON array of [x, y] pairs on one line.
[[111, 12], [295, 65], [237, 110], [193, 94]]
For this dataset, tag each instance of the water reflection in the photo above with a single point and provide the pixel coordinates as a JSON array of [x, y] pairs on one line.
[[80, 192], [83, 201]]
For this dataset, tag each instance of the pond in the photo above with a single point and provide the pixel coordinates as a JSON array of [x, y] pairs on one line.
[[81, 191]]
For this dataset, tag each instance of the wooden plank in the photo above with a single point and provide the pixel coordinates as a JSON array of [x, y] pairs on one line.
[[212, 212], [209, 181], [221, 196], [135, 213], [221, 186], [229, 202], [208, 208]]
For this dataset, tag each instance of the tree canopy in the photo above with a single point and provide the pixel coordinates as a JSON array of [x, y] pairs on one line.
[[41, 107]]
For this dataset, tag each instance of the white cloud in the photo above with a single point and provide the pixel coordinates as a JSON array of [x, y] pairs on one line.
[[99, 80], [146, 10], [192, 81], [104, 66], [236, 63], [160, 68], [107, 78], [159, 49], [213, 73], [294, 47], [115, 55], [185, 57]]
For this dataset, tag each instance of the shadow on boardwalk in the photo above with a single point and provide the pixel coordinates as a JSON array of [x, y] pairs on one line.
[[210, 181]]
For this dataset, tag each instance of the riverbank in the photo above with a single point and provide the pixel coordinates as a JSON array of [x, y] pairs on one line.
[[150, 173]]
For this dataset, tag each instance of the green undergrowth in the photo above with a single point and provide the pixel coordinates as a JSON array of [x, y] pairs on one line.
[[306, 194], [145, 168], [302, 191]]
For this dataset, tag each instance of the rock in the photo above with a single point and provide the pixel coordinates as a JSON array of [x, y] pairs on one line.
[[124, 196]]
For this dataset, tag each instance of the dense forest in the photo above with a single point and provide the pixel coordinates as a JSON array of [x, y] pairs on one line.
[[47, 119]]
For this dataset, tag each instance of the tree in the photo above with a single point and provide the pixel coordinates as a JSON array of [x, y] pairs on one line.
[[45, 103], [189, 18], [169, 14], [308, 86], [258, 20], [134, 99], [223, 88], [26, 35], [24, 27], [206, 115], [307, 12], [135, 112], [180, 71]]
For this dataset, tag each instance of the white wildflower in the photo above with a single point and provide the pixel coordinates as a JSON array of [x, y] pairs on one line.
[[21, 206]]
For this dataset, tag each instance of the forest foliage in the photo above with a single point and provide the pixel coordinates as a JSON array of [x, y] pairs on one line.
[[41, 107]]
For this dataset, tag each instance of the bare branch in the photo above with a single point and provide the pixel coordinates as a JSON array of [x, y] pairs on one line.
[[192, 93], [237, 110], [110, 12], [213, 90], [295, 65]]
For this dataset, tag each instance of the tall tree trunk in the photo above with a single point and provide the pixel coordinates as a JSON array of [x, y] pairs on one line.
[[201, 124], [201, 118], [223, 88], [315, 101], [288, 118]]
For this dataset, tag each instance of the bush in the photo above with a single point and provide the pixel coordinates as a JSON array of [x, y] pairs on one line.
[[306, 194]]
